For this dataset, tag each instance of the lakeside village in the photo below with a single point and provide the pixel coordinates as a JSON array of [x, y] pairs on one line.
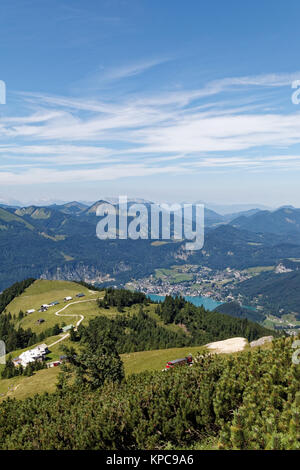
[[192, 280], [219, 285]]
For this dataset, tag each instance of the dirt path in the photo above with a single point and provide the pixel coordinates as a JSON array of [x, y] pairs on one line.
[[70, 315]]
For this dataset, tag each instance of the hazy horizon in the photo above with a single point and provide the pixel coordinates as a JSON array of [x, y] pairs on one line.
[[221, 208]]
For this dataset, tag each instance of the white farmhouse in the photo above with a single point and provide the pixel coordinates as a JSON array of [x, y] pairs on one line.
[[31, 310], [32, 355]]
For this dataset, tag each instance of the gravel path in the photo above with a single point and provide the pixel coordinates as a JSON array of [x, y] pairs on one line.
[[70, 315]]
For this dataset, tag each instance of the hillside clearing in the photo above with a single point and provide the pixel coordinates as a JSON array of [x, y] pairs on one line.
[[44, 292], [23, 387], [155, 360]]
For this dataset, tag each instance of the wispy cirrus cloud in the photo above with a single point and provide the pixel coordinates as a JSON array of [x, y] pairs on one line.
[[131, 70], [181, 131]]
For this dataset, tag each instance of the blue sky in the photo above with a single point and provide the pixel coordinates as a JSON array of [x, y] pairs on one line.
[[167, 100]]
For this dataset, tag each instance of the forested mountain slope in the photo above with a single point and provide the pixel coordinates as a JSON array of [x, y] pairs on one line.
[[278, 293], [236, 310], [283, 221]]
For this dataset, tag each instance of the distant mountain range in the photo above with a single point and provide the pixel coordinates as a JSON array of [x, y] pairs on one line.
[[59, 241], [225, 209], [283, 221], [212, 218]]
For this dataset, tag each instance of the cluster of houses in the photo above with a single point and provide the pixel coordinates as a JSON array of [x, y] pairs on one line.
[[39, 354], [36, 354], [44, 307]]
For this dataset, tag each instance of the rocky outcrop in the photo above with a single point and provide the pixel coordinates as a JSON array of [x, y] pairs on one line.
[[261, 341], [77, 272]]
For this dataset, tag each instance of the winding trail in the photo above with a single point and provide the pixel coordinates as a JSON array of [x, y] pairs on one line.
[[70, 315]]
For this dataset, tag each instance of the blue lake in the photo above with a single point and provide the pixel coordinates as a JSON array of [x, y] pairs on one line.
[[207, 302]]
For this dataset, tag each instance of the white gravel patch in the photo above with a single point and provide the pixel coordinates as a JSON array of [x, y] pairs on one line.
[[230, 345], [261, 341]]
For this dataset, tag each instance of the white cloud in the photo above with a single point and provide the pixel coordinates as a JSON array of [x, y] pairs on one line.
[[73, 139]]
